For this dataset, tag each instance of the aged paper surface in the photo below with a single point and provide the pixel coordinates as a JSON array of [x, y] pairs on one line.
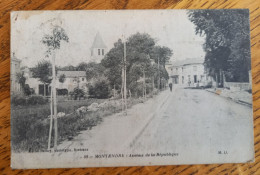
[[130, 88]]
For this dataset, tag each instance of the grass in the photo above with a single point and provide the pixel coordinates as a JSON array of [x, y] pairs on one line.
[[30, 124]]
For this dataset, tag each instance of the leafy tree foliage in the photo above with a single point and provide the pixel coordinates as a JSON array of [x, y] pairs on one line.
[[42, 71], [62, 78], [113, 64], [93, 70], [68, 68], [162, 53], [227, 42], [100, 89], [141, 53], [78, 93], [25, 87], [21, 79], [53, 40]]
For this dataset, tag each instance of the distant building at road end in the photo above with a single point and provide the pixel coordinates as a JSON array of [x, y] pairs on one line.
[[189, 73]]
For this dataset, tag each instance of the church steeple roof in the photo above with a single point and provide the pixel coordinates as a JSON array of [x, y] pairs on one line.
[[98, 42]]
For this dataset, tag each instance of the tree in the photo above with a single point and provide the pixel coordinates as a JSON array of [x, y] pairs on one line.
[[100, 89], [227, 34], [217, 61], [52, 42], [113, 65], [92, 69], [162, 53], [43, 71], [21, 79], [68, 68], [62, 78], [140, 50]]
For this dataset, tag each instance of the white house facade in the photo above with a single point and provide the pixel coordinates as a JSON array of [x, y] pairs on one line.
[[15, 68], [189, 73], [72, 80], [34, 83]]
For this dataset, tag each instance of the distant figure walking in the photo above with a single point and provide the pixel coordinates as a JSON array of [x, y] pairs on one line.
[[170, 85]]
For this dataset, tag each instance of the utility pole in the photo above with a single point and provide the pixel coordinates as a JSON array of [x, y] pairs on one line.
[[152, 85], [159, 74], [125, 91], [144, 84], [123, 87]]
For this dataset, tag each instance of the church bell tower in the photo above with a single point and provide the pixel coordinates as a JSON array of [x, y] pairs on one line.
[[98, 49]]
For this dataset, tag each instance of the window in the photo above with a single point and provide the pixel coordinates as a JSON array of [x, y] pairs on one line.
[[182, 79], [202, 78], [195, 68], [98, 51], [103, 52], [182, 69], [82, 79], [177, 80], [195, 78]]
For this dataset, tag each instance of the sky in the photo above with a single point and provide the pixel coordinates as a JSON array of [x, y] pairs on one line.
[[170, 28]]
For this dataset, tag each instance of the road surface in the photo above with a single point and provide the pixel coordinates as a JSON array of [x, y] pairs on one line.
[[200, 125], [195, 126]]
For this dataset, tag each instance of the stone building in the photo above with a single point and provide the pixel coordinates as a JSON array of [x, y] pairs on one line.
[[189, 73], [73, 79], [15, 69]]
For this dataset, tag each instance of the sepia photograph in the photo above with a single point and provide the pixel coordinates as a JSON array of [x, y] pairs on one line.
[[99, 88]]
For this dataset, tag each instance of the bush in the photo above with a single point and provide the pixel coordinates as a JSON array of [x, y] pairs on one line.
[[78, 93], [18, 100], [62, 91], [27, 90], [36, 100], [100, 90]]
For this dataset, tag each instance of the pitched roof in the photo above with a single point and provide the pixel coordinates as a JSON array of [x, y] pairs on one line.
[[72, 74], [98, 42], [187, 61]]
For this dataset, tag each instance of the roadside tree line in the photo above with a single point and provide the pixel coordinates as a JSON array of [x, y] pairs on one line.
[[227, 43], [145, 69]]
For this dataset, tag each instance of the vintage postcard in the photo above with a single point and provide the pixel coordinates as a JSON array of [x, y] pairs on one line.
[[130, 88]]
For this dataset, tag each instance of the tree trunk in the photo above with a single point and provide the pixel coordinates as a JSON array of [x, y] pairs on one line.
[[51, 121], [130, 94], [216, 75], [114, 91], [221, 77], [224, 78], [54, 102]]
